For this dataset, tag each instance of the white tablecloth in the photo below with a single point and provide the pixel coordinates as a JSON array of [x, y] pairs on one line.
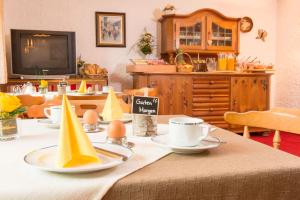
[[20, 181]]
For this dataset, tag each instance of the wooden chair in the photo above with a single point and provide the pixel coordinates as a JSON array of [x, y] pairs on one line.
[[83, 103], [278, 119], [151, 92], [35, 105]]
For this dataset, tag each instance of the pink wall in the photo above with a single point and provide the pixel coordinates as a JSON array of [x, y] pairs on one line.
[[78, 15], [287, 92]]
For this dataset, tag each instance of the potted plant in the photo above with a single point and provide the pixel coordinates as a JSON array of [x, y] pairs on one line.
[[146, 43], [10, 107]]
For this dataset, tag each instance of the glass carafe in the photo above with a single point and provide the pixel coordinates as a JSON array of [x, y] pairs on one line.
[[222, 62], [231, 62]]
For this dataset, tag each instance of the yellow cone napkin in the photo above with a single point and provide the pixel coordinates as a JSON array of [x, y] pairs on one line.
[[82, 88], [112, 109], [74, 147]]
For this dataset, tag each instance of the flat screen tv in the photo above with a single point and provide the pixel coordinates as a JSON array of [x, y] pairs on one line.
[[37, 52]]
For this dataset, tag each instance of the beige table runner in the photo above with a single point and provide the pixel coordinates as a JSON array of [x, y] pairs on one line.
[[239, 169], [20, 181]]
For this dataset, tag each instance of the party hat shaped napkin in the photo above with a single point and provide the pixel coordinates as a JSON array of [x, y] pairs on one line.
[[74, 148], [82, 88], [112, 109]]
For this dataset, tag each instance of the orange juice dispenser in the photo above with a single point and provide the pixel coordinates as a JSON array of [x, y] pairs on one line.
[[222, 62], [231, 62]]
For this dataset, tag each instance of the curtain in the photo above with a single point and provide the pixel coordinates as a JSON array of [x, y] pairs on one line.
[[3, 67]]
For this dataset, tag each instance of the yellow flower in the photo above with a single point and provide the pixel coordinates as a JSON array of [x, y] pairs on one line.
[[9, 103], [44, 83]]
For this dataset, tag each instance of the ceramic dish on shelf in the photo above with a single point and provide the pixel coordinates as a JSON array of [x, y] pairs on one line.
[[110, 154], [209, 142]]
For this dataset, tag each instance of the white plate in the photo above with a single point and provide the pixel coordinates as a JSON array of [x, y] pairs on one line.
[[45, 158], [48, 123], [126, 118], [208, 143], [81, 94]]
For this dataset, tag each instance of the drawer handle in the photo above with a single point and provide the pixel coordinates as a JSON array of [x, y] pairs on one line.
[[211, 82], [210, 96], [211, 109]]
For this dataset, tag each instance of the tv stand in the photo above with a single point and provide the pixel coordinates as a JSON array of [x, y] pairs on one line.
[[48, 77]]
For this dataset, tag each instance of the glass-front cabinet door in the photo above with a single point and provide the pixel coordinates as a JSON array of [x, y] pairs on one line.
[[221, 34], [190, 35]]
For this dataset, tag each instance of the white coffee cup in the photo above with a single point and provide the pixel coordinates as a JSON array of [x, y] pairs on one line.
[[54, 113], [187, 131]]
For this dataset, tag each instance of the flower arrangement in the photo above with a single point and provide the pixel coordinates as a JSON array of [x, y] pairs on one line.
[[10, 106], [43, 84], [146, 43]]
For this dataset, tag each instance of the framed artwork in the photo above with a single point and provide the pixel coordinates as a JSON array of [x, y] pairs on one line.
[[110, 29]]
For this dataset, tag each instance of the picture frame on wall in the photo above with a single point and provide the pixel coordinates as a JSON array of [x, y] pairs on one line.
[[110, 29]]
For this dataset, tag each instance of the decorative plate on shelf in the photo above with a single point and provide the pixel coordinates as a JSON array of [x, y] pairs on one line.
[[246, 24]]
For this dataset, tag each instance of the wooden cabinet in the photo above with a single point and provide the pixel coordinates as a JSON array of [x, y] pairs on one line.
[[250, 93], [208, 95], [205, 31]]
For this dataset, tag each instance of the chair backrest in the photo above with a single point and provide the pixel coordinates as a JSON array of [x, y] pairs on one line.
[[83, 103], [151, 92], [28, 100], [273, 119]]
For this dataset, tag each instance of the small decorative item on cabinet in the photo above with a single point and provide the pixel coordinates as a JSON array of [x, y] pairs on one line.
[[169, 9], [180, 63]]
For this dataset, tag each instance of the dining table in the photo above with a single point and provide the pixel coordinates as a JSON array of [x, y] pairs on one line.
[[239, 168]]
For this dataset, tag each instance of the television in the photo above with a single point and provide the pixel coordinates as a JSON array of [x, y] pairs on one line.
[[36, 52]]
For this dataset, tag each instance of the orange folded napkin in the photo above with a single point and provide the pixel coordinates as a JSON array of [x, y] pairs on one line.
[[82, 88], [74, 147], [112, 109]]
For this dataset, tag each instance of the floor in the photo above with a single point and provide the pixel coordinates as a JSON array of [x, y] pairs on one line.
[[289, 142]]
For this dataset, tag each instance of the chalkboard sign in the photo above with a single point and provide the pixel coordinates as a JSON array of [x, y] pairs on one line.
[[145, 105]]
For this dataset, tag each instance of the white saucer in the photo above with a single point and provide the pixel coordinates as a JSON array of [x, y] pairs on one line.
[[45, 158], [48, 123], [208, 143], [126, 118]]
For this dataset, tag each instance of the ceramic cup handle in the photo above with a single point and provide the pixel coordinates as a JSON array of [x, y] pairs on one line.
[[205, 128], [46, 112]]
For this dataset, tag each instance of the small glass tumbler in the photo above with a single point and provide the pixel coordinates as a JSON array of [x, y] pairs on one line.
[[144, 125], [9, 129]]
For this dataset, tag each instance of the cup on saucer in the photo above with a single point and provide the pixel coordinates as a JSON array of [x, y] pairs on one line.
[[54, 113], [187, 131]]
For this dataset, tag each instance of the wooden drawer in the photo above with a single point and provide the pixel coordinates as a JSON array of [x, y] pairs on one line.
[[211, 105], [210, 98], [211, 85], [209, 112]]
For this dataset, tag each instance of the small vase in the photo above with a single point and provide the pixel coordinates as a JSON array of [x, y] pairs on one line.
[[8, 129], [43, 90]]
